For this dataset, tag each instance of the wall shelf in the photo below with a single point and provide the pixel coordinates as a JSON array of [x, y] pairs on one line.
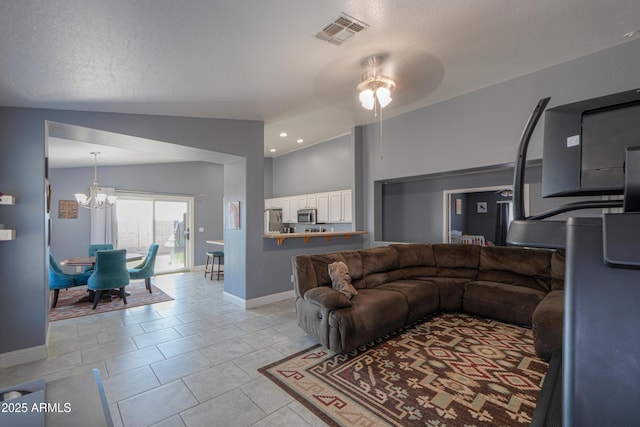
[[7, 200], [281, 237], [7, 234]]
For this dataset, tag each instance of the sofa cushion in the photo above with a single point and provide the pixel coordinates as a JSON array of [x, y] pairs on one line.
[[373, 313], [507, 303], [547, 324], [422, 297], [557, 270], [530, 268], [382, 260], [450, 290], [415, 255], [375, 260], [457, 260]]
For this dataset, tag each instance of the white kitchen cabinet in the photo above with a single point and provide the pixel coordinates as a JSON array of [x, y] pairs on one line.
[[347, 208], [289, 206], [301, 202], [293, 209], [333, 206], [312, 201], [340, 209], [285, 204], [322, 200], [270, 204], [307, 201]]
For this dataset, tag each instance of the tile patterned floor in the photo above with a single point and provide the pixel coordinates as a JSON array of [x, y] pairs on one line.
[[188, 362]]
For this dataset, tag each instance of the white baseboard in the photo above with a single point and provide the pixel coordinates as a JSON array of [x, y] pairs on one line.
[[257, 302], [25, 355]]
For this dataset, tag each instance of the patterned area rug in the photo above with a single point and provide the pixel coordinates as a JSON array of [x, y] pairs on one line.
[[74, 302], [451, 370]]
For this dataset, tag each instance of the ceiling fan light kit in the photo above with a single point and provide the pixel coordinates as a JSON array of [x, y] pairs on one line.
[[375, 90]]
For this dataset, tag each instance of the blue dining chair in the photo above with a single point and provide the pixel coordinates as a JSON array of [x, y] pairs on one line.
[[58, 279], [93, 248], [110, 273], [145, 270]]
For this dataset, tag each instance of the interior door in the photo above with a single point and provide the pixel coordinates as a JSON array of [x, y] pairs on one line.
[[167, 220]]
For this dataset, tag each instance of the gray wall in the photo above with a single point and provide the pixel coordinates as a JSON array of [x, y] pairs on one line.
[[268, 177], [322, 167], [413, 211], [331, 165], [457, 221], [483, 127], [203, 181], [24, 294], [235, 190], [482, 224]]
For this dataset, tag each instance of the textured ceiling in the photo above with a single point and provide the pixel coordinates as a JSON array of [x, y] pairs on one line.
[[259, 60]]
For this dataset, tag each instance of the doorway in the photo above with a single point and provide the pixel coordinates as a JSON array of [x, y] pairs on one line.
[[479, 215], [164, 219]]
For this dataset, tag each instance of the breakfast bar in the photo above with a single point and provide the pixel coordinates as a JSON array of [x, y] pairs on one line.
[[281, 237]]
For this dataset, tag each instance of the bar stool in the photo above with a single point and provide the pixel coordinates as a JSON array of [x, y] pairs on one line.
[[219, 255]]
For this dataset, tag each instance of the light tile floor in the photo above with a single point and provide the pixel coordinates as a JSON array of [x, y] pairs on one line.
[[188, 362]]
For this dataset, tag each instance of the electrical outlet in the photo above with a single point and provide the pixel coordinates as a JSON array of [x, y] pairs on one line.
[[78, 269], [201, 229], [292, 278]]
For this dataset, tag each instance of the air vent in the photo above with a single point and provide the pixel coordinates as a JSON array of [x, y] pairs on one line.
[[341, 29]]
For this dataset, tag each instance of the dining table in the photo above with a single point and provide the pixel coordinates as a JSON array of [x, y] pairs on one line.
[[84, 261]]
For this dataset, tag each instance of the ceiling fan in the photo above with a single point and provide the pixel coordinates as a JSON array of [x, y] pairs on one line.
[[361, 81]]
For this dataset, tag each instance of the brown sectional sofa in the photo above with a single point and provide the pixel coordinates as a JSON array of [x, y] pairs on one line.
[[400, 284]]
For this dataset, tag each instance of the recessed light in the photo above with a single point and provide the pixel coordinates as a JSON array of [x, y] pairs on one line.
[[273, 150], [283, 135], [300, 140]]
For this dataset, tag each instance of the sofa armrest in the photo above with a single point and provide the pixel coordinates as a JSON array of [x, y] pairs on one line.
[[547, 326], [327, 297]]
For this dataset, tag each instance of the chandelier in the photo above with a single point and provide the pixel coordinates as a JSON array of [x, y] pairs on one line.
[[375, 89], [96, 198]]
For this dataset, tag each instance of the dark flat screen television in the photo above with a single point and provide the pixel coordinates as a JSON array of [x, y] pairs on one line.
[[585, 142]]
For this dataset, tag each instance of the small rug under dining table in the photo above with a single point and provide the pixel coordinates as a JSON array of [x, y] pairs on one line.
[[75, 302], [450, 370]]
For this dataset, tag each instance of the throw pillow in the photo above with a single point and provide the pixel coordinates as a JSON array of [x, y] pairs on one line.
[[341, 280]]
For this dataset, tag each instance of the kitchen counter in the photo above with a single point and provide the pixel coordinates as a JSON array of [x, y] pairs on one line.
[[281, 237]]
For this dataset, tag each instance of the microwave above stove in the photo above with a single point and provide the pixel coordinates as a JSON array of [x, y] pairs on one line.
[[307, 216]]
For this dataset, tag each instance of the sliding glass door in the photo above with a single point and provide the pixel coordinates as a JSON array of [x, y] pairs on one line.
[[144, 219]]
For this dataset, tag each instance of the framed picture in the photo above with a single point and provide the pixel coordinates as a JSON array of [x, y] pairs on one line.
[[481, 207], [233, 215], [48, 189], [67, 209], [458, 206]]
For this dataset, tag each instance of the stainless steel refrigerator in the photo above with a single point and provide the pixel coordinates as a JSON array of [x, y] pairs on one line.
[[273, 221]]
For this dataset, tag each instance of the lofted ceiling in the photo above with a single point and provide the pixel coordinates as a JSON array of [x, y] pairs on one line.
[[260, 60]]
